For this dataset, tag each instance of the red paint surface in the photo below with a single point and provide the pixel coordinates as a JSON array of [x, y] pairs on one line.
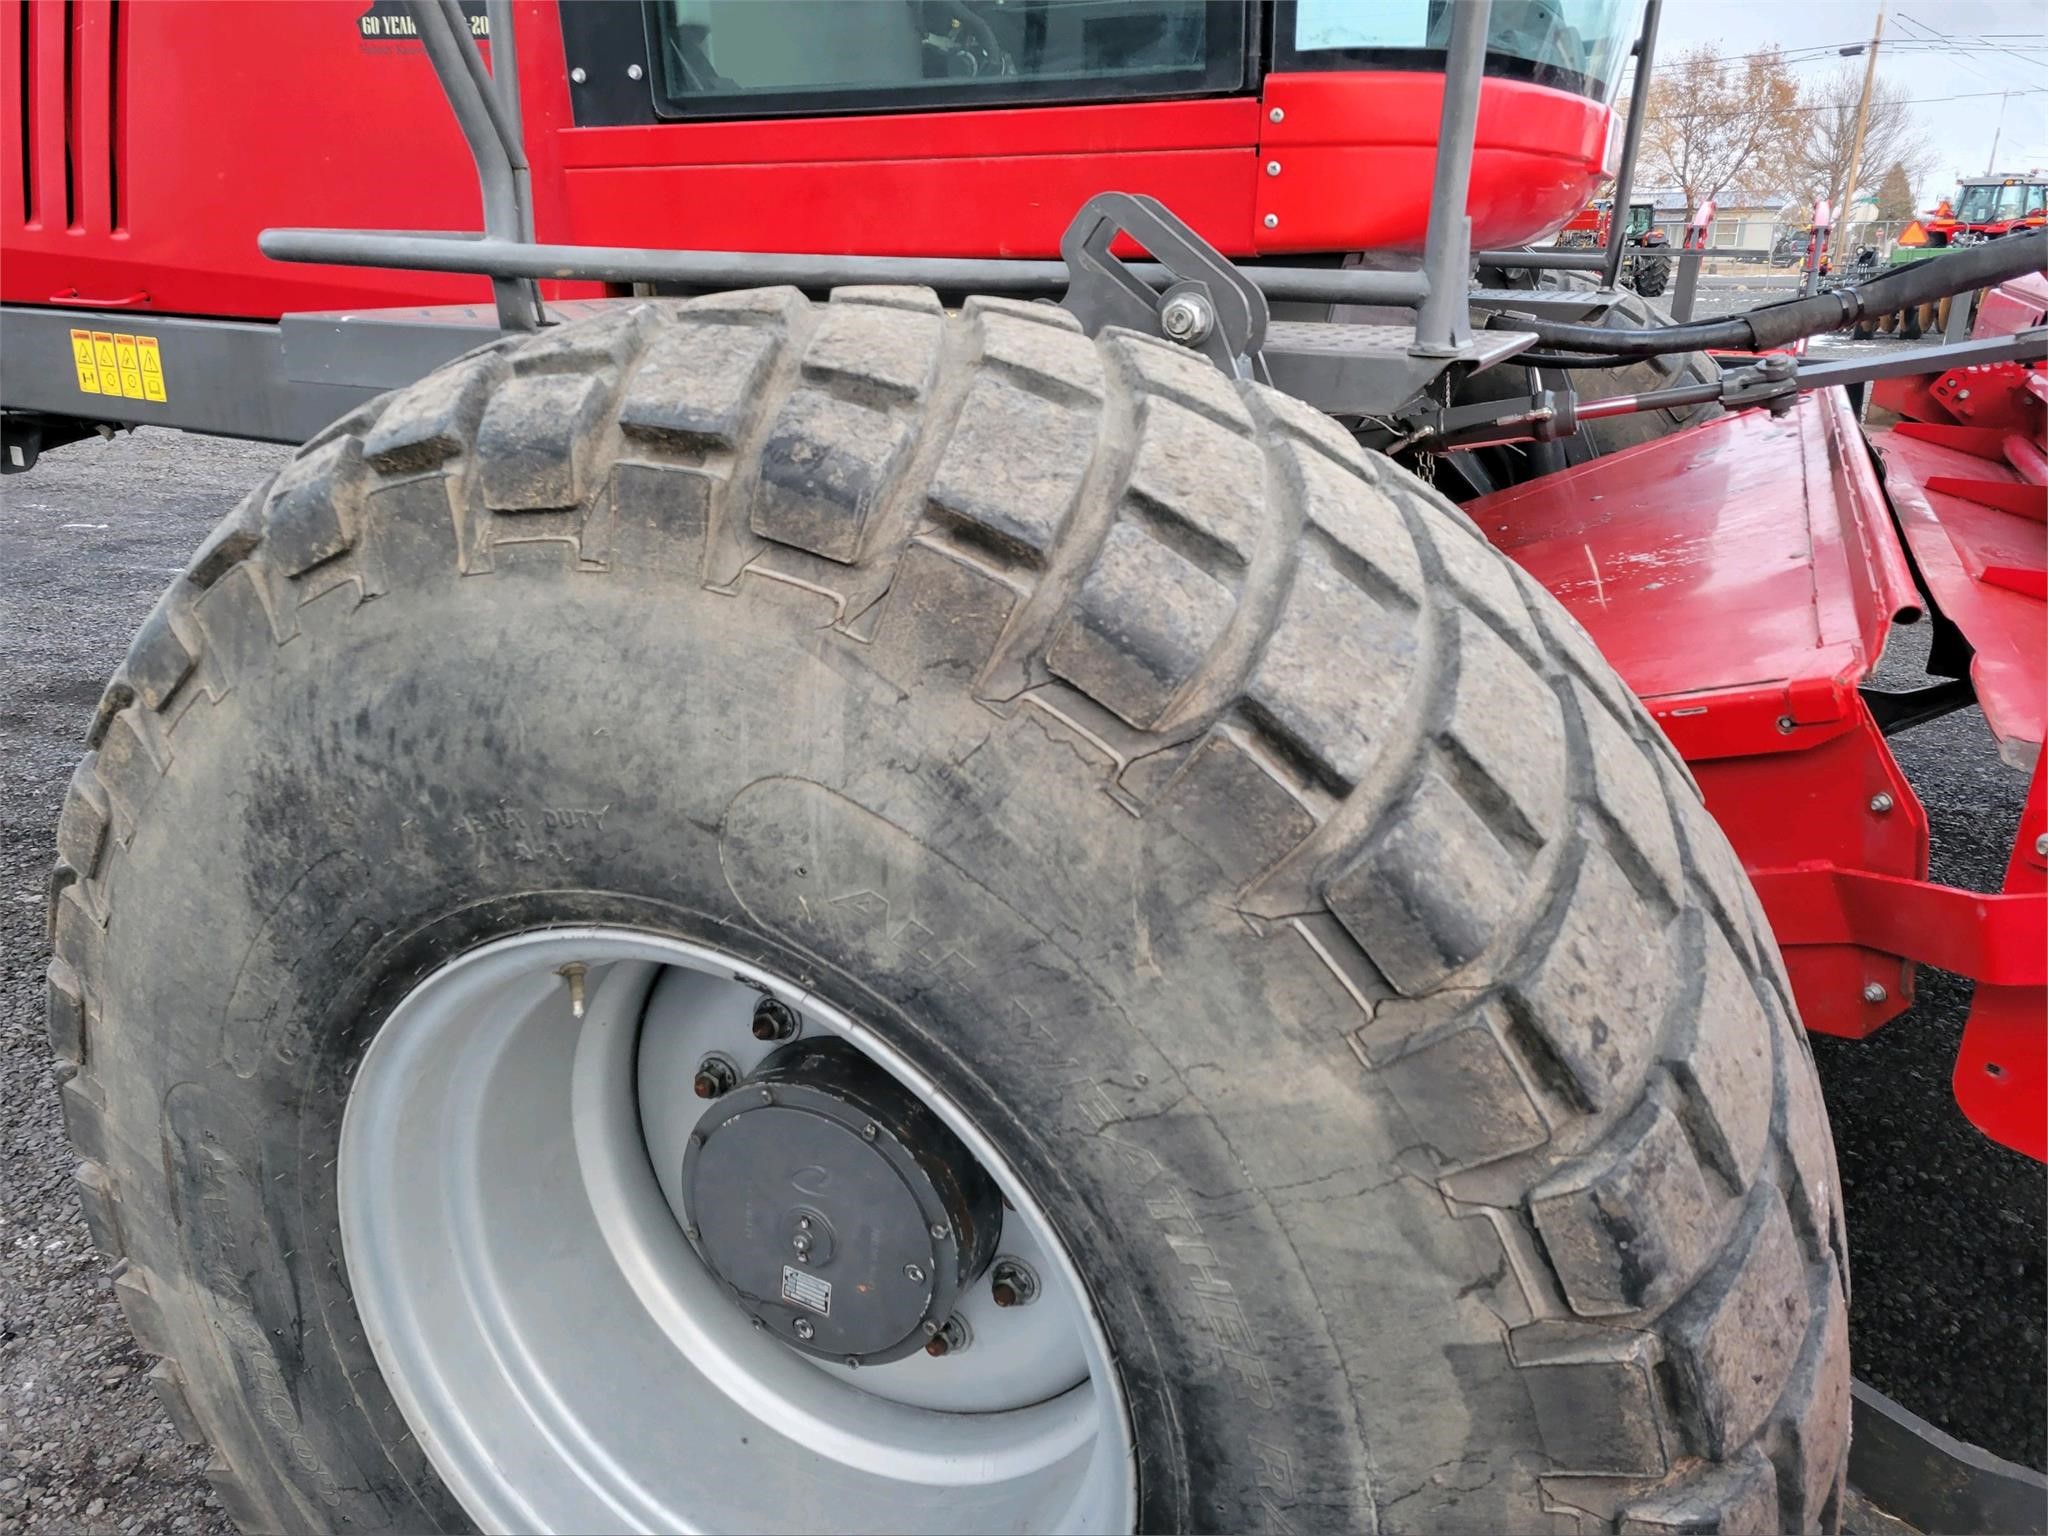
[[1737, 574], [2001, 1076], [1982, 565], [221, 119], [1357, 153]]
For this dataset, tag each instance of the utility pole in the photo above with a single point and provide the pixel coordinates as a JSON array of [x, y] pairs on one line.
[[1991, 164], [1845, 204]]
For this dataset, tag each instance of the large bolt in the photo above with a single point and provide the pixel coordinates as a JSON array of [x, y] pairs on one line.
[[773, 1020], [950, 1339], [1874, 992], [802, 1328], [715, 1076], [1012, 1283], [1187, 318], [1881, 802]]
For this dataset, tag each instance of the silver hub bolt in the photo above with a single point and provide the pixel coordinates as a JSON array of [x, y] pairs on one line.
[[1187, 318]]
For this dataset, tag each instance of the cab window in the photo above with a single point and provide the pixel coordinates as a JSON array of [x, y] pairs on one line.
[[744, 58]]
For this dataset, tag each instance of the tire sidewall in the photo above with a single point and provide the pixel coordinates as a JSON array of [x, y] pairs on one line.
[[325, 841]]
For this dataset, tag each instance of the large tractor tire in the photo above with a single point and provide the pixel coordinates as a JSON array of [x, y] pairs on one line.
[[734, 804], [1652, 275], [1630, 311]]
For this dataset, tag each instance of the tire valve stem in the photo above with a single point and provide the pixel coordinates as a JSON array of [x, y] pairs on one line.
[[573, 973]]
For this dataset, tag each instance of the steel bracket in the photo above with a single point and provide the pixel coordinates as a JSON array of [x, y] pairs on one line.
[[1102, 291]]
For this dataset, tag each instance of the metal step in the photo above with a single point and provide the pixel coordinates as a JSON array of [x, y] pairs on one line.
[[1366, 370], [1549, 303]]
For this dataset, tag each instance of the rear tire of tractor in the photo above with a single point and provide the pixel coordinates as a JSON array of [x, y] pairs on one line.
[[1331, 944], [1653, 275]]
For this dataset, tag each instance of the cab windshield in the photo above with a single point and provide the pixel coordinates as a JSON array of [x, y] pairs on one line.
[[1986, 202], [1572, 45]]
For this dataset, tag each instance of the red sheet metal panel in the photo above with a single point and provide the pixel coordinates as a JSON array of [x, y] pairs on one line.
[[1739, 575], [2001, 1076], [1983, 567]]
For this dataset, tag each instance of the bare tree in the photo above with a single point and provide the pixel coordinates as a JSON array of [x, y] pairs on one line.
[[1821, 162], [1718, 124]]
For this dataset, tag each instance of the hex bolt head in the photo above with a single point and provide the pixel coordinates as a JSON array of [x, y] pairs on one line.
[[1187, 318], [913, 1274], [802, 1328], [1881, 802], [1012, 1282], [773, 1020], [939, 1230], [950, 1339], [578, 75], [1874, 992], [634, 72], [715, 1076]]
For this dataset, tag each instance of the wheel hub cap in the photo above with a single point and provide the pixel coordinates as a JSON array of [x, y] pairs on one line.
[[835, 1207]]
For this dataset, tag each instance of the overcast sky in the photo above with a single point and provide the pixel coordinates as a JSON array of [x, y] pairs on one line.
[[1936, 49]]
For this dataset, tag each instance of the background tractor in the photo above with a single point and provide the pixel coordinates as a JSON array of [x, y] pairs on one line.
[[946, 797], [1984, 208], [1649, 274]]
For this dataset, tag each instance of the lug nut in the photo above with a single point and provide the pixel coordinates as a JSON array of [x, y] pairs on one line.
[[773, 1020], [714, 1077], [1012, 1283], [949, 1340]]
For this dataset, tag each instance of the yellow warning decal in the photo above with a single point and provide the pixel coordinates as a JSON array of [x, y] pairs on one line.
[[131, 366], [88, 369], [110, 366], [116, 363], [152, 369]]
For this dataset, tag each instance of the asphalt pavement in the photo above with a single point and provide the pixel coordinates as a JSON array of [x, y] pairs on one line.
[[1946, 1229]]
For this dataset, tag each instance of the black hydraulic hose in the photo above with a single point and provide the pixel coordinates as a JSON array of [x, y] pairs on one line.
[[1574, 359], [1778, 325]]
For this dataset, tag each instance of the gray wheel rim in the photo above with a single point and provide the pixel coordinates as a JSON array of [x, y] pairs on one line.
[[509, 1185]]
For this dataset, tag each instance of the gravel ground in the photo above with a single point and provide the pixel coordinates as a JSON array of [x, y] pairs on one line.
[[1946, 1230], [87, 543]]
